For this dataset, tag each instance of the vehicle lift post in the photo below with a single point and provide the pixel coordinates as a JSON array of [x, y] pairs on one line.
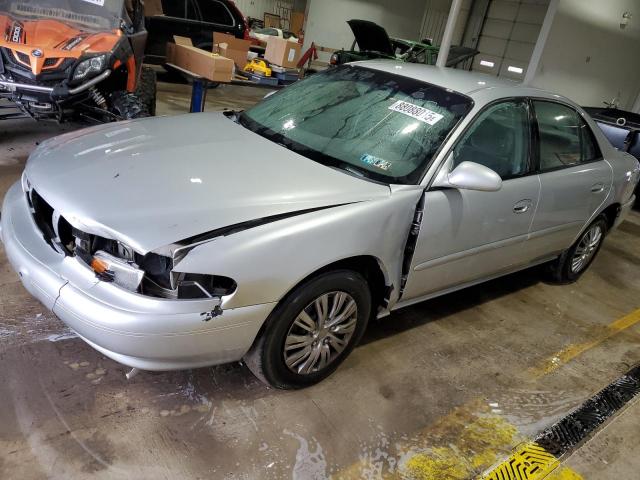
[[198, 94]]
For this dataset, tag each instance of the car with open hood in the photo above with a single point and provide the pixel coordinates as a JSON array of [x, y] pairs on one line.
[[373, 42], [275, 234]]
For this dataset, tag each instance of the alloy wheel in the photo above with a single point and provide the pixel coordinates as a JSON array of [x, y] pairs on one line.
[[586, 248], [320, 332]]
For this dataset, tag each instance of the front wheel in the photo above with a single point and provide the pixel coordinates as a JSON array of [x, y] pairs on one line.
[[312, 331], [147, 89], [127, 106], [575, 261]]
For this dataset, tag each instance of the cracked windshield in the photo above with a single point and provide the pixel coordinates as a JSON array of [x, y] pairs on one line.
[[371, 123]]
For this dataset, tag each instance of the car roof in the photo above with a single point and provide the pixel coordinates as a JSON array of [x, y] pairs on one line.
[[473, 84]]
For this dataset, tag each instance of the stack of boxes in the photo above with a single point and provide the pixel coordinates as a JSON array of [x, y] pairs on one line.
[[283, 56], [230, 55]]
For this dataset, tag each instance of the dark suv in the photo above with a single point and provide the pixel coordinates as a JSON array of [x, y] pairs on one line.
[[196, 19]]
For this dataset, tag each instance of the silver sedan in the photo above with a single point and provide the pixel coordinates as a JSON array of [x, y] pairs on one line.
[[275, 234]]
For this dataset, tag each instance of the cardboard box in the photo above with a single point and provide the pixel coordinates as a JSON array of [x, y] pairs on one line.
[[153, 8], [282, 52], [211, 66], [231, 47], [182, 40], [171, 47]]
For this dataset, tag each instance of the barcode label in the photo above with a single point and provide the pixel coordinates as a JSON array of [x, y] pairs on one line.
[[414, 111]]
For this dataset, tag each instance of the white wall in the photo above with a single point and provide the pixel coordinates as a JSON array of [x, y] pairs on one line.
[[587, 57], [257, 8], [327, 27], [435, 18]]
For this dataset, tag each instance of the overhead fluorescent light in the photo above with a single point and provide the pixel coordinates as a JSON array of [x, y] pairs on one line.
[[487, 63], [515, 69]]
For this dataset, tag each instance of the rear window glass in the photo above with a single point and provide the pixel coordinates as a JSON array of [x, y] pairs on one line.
[[565, 138]]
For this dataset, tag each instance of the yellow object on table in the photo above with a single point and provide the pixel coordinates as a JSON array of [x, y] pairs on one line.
[[259, 66]]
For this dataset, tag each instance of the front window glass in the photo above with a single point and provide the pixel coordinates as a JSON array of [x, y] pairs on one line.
[[499, 140], [565, 138], [378, 125]]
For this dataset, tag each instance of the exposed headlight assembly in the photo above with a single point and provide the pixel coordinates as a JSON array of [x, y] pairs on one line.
[[161, 280], [90, 67], [151, 274], [119, 271]]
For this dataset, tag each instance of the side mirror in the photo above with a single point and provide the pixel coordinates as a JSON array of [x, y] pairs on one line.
[[470, 176]]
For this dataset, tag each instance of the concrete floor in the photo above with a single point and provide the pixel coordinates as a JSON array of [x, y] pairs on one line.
[[441, 390]]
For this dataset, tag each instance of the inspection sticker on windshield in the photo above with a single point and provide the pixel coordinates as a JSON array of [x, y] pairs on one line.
[[414, 111], [375, 162]]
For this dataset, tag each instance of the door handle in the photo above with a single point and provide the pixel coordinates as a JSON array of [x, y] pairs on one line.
[[597, 188], [522, 206]]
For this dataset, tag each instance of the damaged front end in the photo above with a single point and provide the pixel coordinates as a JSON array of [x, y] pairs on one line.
[[151, 274]]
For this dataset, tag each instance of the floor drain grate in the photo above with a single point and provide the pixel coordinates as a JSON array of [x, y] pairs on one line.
[[537, 459]]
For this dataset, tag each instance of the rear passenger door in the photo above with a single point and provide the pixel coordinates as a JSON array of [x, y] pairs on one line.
[[575, 180]]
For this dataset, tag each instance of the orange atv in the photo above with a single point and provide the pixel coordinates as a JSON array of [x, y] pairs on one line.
[[63, 58]]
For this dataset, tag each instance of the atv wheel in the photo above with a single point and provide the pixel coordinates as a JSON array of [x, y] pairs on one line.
[[127, 106], [147, 87]]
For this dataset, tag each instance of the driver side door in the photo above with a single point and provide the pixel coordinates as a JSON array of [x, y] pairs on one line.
[[469, 235]]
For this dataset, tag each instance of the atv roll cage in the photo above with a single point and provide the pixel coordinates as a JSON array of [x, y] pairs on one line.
[[89, 15]]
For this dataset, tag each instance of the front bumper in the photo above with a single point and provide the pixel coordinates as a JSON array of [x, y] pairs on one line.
[[55, 93], [138, 331]]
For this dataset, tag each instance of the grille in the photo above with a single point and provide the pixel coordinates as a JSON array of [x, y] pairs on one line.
[[43, 215], [23, 57], [59, 235], [50, 62]]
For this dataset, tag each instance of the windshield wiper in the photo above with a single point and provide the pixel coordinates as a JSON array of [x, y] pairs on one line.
[[347, 167]]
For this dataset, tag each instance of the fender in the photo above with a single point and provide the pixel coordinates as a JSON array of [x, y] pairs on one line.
[[269, 260]]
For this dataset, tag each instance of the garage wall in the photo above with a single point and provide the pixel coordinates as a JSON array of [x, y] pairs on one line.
[[326, 21], [508, 37], [588, 57], [257, 8], [435, 20]]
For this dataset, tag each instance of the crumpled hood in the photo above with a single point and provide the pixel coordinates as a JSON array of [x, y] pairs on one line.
[[153, 182]]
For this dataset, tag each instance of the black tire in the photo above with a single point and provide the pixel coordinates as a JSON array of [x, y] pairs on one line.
[[561, 270], [266, 359], [147, 89], [127, 106]]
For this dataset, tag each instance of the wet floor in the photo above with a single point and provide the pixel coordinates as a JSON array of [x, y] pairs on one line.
[[441, 390]]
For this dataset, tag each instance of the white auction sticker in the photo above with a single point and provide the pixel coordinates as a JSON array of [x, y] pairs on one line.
[[414, 111], [95, 2]]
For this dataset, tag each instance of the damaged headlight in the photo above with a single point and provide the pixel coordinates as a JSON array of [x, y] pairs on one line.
[[162, 281], [90, 67], [117, 270], [151, 274]]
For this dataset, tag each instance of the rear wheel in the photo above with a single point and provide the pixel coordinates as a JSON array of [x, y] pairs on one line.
[[127, 106], [575, 261], [312, 331], [147, 89]]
